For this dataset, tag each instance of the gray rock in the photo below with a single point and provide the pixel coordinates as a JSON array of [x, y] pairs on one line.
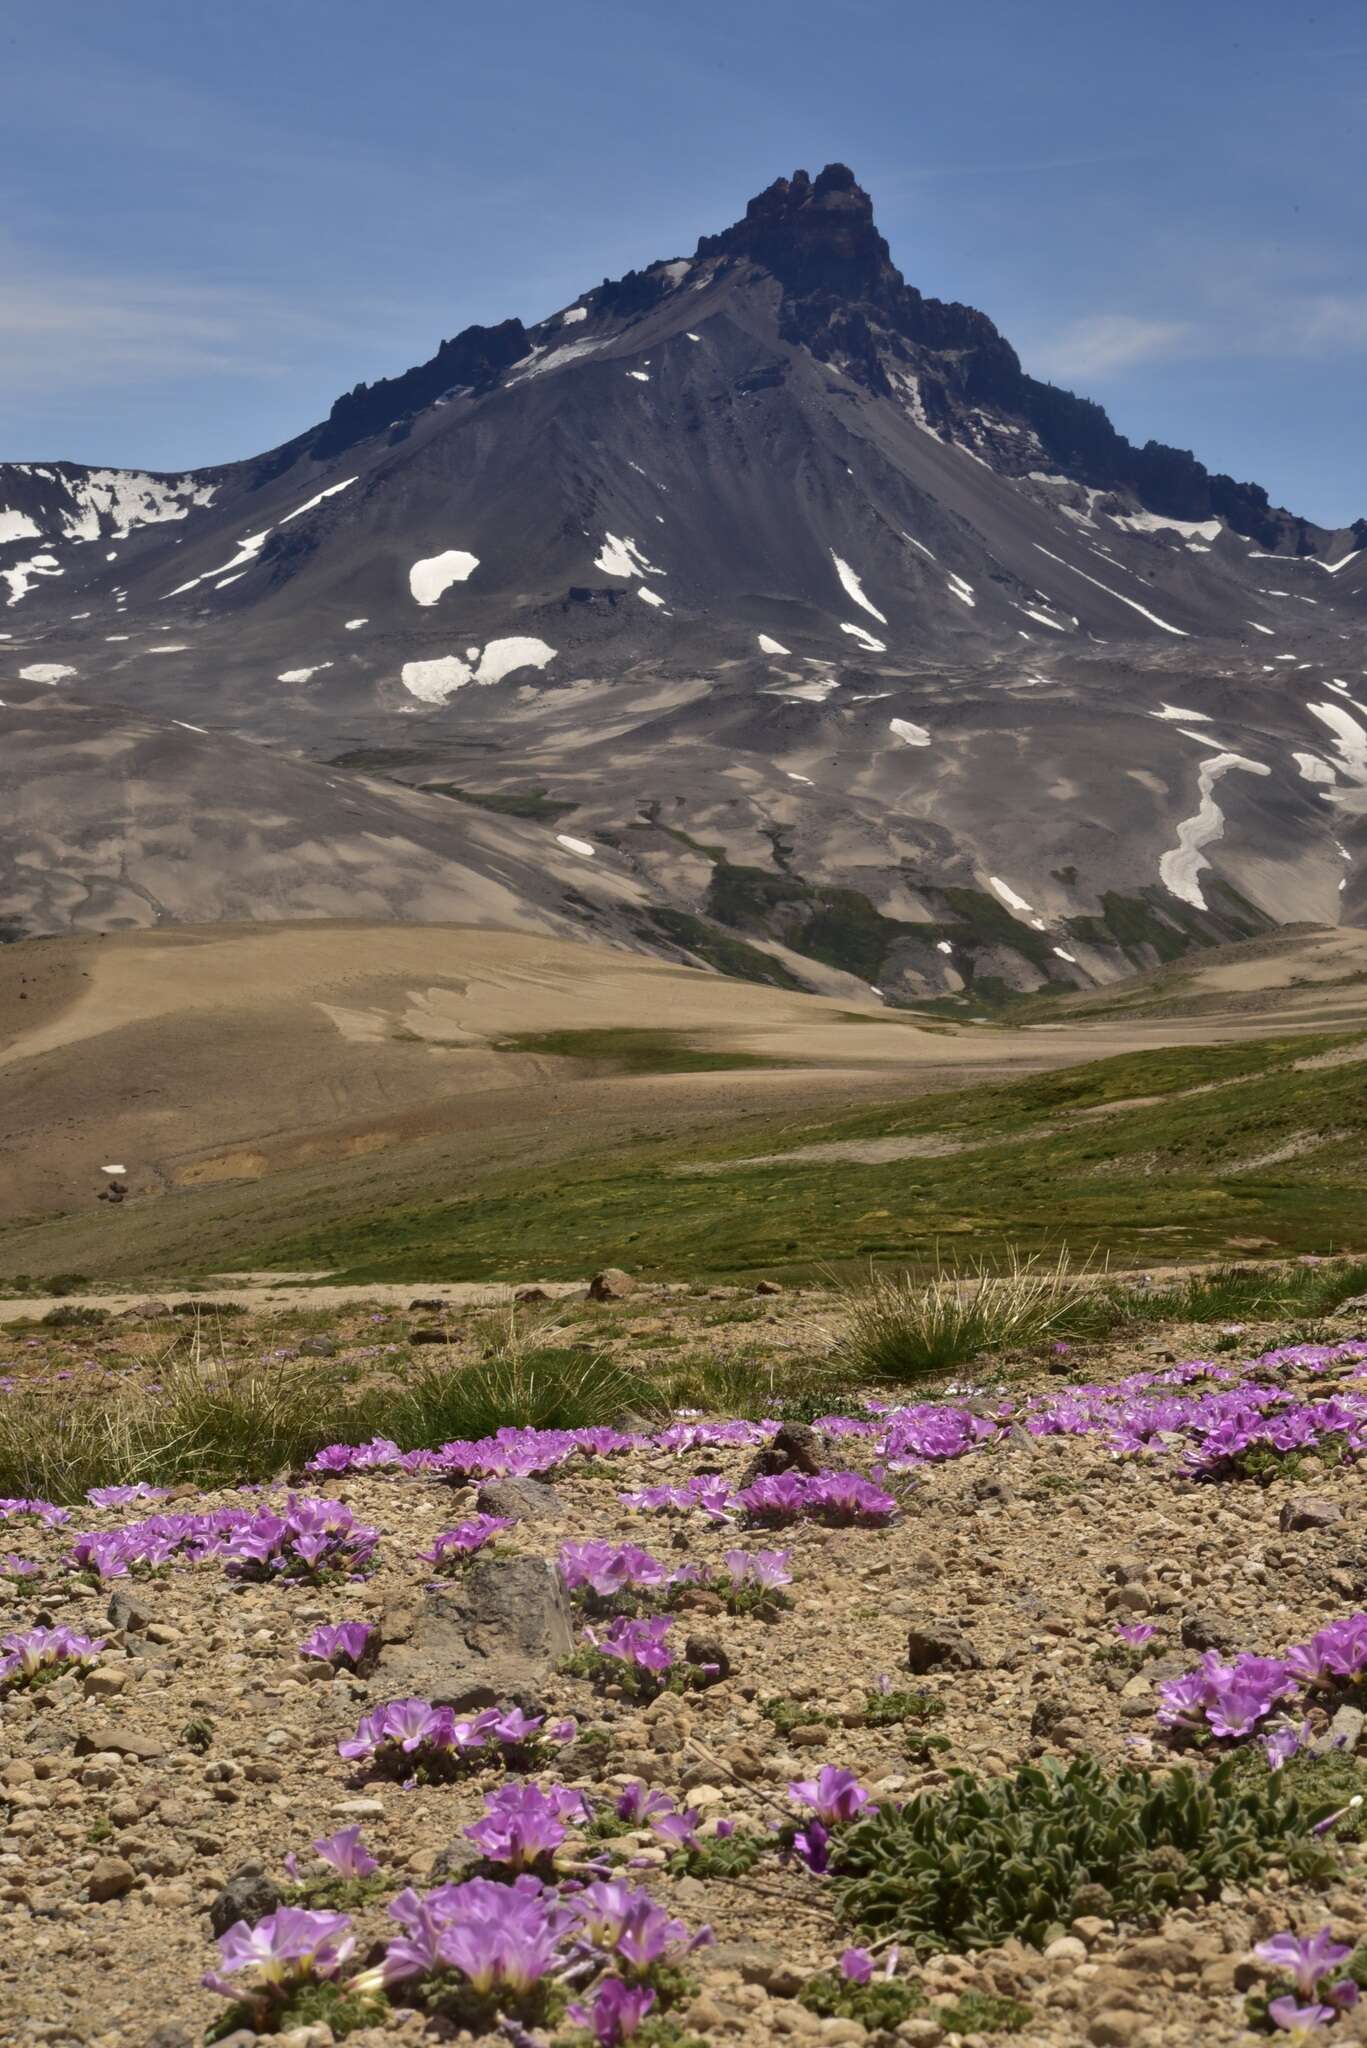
[[126, 1611], [526, 1500], [612, 1284], [170, 2036], [1210, 1629], [318, 1347], [128, 1741], [248, 1895], [938, 1646], [498, 1630], [758, 1965], [428, 1337], [707, 1652], [1304, 1512], [423, 1304], [1344, 1732], [454, 1862], [1355, 1306]]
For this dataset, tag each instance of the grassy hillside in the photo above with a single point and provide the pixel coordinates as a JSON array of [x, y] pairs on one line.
[[1181, 1153]]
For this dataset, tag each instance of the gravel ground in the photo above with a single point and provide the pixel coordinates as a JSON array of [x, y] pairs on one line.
[[120, 1831]]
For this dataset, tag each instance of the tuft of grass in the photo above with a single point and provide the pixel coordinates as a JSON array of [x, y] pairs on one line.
[[227, 1422], [905, 1329]]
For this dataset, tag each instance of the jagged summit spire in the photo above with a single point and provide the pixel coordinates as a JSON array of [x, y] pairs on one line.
[[813, 234]]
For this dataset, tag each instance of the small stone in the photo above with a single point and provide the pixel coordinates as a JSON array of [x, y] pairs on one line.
[[248, 1895], [1067, 1949], [768, 1287], [1210, 1629], [842, 2030], [1344, 1732], [318, 1347], [171, 2036], [103, 1683], [811, 1735], [706, 1652], [938, 1646], [111, 1878], [921, 2032], [704, 2012], [611, 1284], [359, 1809], [1117, 2027], [127, 1612], [1305, 1512]]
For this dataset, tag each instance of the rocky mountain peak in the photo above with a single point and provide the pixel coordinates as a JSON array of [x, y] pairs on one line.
[[812, 235]]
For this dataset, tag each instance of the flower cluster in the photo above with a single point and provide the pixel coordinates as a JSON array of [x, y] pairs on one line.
[[341, 1644], [510, 1453], [495, 1938], [834, 1798], [40, 1653], [46, 1511], [1231, 1698], [1309, 1964], [455, 1547], [836, 1497], [310, 1538], [12, 1566], [611, 1572], [521, 1825], [345, 1855], [412, 1739], [283, 1950], [125, 1496]]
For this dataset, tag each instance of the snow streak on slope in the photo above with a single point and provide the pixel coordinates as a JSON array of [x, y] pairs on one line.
[[1179, 869]]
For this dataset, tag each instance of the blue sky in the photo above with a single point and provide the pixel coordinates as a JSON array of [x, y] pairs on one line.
[[217, 218]]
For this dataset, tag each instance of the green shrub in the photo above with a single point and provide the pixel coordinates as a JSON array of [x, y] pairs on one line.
[[882, 2003], [973, 1864]]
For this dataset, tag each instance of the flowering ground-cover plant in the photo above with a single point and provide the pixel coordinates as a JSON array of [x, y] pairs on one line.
[[634, 1655], [522, 1826], [45, 1511], [342, 1644], [606, 1577], [310, 1539], [419, 1743], [454, 1548], [285, 1955], [38, 1655], [834, 1497], [1230, 1698], [347, 1876]]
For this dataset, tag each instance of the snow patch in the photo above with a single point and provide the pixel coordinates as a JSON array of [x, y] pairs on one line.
[[865, 639], [1351, 738], [436, 573], [330, 492], [46, 672], [574, 316], [301, 675], [649, 596], [912, 735], [1180, 869], [434, 681], [962, 590], [1152, 617], [1156, 522], [1269, 632], [1175, 711], [1009, 897], [18, 526], [641, 376], [355, 625], [855, 589], [621, 557], [771, 646], [501, 657], [574, 845]]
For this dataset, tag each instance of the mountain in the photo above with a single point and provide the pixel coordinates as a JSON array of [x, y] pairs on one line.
[[753, 609]]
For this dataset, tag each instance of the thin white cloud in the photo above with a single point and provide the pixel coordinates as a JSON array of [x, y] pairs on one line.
[[1103, 343]]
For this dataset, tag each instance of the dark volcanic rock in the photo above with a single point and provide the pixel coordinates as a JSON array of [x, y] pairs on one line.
[[938, 1646], [248, 1895], [498, 1630]]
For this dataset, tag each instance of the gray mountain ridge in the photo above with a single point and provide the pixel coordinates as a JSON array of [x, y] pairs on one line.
[[754, 609]]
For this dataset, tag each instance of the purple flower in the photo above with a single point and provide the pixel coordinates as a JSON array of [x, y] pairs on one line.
[[1285, 2012], [835, 1796], [501, 1937], [453, 1546], [124, 1496], [23, 1657], [616, 2012], [12, 1566], [856, 1966], [288, 1944], [640, 1643], [345, 1853], [634, 1803], [767, 1569], [1281, 1744], [1135, 1633], [811, 1844], [521, 1824], [677, 1829], [1304, 1959], [340, 1643], [609, 1569]]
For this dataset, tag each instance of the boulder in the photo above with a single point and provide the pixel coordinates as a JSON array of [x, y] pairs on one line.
[[612, 1284], [111, 1878], [499, 1630]]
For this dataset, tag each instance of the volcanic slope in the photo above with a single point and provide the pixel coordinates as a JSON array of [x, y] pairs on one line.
[[772, 594]]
